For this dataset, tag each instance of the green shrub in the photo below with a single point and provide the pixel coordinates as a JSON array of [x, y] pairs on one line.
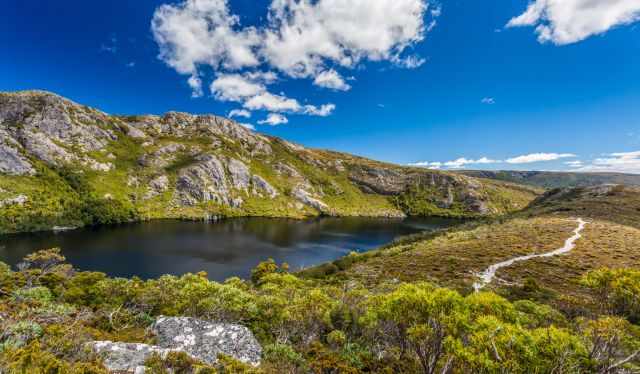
[[41, 295]]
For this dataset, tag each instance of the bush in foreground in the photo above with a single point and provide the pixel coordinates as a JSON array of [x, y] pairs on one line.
[[48, 312]]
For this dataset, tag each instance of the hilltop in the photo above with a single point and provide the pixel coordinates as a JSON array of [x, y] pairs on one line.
[[65, 165], [553, 179]]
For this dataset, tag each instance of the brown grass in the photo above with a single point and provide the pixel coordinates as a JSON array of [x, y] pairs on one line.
[[453, 259]]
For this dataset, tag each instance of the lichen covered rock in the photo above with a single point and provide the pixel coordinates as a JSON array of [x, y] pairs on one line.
[[204, 340], [126, 357], [202, 182]]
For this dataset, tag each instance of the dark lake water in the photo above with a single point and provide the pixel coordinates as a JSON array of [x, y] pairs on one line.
[[223, 249]]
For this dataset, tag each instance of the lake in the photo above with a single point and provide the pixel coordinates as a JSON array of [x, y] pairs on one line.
[[223, 249]]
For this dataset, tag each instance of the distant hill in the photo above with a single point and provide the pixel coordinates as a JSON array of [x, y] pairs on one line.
[[548, 179]]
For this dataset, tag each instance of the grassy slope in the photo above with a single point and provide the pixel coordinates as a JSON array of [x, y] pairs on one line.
[[451, 258]]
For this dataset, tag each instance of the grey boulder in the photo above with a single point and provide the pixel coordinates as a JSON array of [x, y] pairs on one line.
[[204, 340]]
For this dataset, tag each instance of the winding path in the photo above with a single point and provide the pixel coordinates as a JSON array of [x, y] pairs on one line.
[[487, 276]]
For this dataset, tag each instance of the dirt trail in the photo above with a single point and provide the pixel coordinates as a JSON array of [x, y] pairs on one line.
[[487, 276]]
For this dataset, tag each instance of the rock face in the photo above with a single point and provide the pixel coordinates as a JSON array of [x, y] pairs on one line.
[[240, 175], [306, 198], [205, 340], [12, 162], [48, 126], [200, 339], [157, 186], [262, 185], [163, 156], [446, 189], [204, 181]]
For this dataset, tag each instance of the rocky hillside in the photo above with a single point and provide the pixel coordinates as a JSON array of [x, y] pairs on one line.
[[66, 165], [549, 179]]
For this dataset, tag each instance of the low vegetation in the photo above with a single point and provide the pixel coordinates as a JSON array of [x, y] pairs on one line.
[[48, 312]]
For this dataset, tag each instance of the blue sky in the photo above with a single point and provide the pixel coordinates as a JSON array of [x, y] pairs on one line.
[[445, 84]]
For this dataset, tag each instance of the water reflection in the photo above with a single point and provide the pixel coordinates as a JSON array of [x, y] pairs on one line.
[[223, 249]]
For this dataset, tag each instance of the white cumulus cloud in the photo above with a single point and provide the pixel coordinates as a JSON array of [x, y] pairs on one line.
[[250, 89], [235, 87], [427, 164], [455, 164], [274, 119], [488, 100], [332, 80], [300, 38], [538, 157], [303, 35], [203, 32], [574, 164], [273, 103], [196, 86], [460, 162], [240, 113], [569, 21], [624, 162]]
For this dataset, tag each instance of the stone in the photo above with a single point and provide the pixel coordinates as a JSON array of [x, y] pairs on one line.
[[160, 183], [134, 132], [202, 182], [200, 339], [157, 186], [97, 166], [12, 162], [163, 156], [126, 357], [307, 199], [18, 200], [185, 125], [133, 181], [286, 170], [240, 175], [204, 340], [260, 185]]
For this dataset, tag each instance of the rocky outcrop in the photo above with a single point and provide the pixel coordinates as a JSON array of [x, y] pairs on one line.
[[18, 200], [134, 132], [48, 126], [286, 170], [240, 175], [262, 186], [202, 340], [202, 182], [446, 189], [12, 162], [126, 357], [379, 180], [163, 156], [306, 198], [157, 186], [184, 124]]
